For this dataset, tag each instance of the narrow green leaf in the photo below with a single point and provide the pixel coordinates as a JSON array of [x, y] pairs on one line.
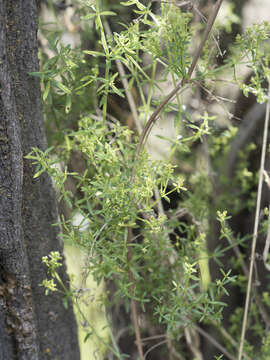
[[108, 13], [87, 336], [128, 3], [37, 174], [130, 58], [46, 91], [93, 53], [35, 73], [61, 86], [88, 16]]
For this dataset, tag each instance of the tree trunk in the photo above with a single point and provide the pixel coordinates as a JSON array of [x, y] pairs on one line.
[[32, 325]]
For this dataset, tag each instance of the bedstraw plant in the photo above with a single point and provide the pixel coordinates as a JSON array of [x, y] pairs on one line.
[[157, 260]]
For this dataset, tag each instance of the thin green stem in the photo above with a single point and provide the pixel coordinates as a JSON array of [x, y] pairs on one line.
[[107, 75]]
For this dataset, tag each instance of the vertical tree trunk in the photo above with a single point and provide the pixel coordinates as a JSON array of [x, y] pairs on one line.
[[32, 325]]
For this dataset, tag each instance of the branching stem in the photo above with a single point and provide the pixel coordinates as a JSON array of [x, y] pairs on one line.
[[153, 118]]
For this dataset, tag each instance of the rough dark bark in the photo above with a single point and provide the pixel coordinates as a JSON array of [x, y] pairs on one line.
[[32, 325]]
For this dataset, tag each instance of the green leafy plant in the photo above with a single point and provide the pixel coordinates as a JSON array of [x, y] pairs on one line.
[[158, 260]]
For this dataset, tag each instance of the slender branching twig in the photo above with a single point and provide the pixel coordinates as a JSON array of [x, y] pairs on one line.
[[228, 337], [154, 346], [256, 225], [190, 335], [214, 342], [153, 118]]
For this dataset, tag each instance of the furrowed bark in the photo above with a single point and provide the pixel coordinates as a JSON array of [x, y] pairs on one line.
[[32, 325]]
